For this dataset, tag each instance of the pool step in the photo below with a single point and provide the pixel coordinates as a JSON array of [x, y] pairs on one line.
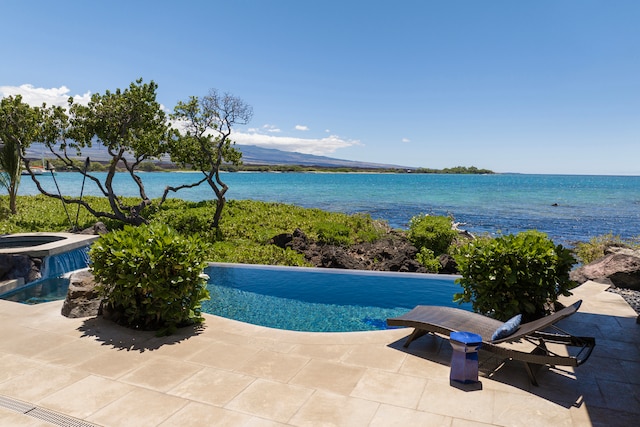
[[9, 285]]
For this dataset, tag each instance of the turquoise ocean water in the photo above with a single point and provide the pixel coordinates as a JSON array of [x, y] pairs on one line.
[[568, 208]]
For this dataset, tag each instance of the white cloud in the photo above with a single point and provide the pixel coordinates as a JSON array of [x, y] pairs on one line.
[[36, 96], [302, 127], [406, 140], [317, 146], [271, 128]]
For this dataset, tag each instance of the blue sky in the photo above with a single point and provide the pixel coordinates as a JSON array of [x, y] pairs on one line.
[[545, 86]]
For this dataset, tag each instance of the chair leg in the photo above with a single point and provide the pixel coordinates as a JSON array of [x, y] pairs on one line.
[[532, 377], [417, 333]]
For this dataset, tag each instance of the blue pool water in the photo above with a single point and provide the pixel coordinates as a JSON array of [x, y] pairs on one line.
[[45, 290], [321, 300]]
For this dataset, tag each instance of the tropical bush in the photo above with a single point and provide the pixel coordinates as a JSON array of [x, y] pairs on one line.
[[151, 277], [514, 274], [590, 251], [432, 232], [428, 259]]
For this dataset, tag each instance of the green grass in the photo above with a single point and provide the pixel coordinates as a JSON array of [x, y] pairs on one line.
[[246, 226]]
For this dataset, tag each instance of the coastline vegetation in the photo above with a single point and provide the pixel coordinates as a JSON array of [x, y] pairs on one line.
[[161, 166], [245, 229]]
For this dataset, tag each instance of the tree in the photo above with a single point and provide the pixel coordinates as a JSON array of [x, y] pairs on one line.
[[18, 129], [204, 141], [132, 127]]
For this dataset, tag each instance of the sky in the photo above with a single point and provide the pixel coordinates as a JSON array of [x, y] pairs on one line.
[[544, 86]]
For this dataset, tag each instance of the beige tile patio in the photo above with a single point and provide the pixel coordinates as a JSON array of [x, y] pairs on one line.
[[331, 376], [199, 414], [86, 396], [441, 398], [113, 363], [212, 386], [140, 407], [325, 408], [36, 384], [272, 400], [29, 342], [528, 411], [405, 386], [274, 366], [161, 374], [394, 416], [334, 352], [375, 356], [223, 355], [12, 365], [70, 354], [386, 387]]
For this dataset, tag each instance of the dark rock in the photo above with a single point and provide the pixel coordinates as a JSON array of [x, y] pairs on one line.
[[20, 266], [282, 240], [337, 257], [82, 298], [393, 253], [448, 264], [621, 269], [97, 228]]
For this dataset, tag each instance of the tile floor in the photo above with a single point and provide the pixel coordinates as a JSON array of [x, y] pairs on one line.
[[75, 372]]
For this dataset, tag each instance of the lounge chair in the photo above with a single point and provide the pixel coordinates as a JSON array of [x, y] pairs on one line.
[[444, 320]]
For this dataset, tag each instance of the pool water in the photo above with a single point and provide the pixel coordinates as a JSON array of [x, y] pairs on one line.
[[299, 299], [46, 290], [321, 300]]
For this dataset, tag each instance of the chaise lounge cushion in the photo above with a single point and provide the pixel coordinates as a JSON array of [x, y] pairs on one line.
[[508, 328]]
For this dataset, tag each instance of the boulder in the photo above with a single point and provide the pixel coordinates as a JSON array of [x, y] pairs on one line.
[[97, 228], [82, 298], [448, 264], [393, 253], [19, 266], [622, 269]]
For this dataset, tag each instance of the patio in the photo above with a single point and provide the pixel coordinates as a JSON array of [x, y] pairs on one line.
[[75, 372]]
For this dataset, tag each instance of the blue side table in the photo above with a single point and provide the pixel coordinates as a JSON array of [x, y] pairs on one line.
[[464, 359]]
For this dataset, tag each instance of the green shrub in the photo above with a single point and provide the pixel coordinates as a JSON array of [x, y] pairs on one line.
[[588, 252], [333, 233], [427, 258], [431, 232], [523, 273], [151, 277], [247, 253]]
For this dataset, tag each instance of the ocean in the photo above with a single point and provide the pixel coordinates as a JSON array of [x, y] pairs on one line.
[[569, 208]]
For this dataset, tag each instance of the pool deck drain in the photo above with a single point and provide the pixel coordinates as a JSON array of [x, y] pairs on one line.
[[42, 414], [233, 373]]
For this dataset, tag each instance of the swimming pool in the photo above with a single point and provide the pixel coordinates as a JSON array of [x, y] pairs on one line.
[[298, 298], [321, 300]]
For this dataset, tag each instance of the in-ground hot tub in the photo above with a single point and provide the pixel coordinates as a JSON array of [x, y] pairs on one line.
[[59, 253], [43, 244]]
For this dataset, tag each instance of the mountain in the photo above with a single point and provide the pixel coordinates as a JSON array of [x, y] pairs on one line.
[[251, 155], [254, 155]]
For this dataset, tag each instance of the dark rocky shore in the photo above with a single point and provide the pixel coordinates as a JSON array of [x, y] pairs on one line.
[[620, 268]]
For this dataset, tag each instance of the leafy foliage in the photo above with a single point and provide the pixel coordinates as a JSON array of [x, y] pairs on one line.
[[203, 140], [129, 123], [428, 259], [590, 251], [513, 274], [18, 130], [431, 232], [151, 277], [247, 225]]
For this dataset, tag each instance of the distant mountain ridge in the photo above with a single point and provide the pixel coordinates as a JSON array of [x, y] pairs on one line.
[[254, 155], [251, 155]]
